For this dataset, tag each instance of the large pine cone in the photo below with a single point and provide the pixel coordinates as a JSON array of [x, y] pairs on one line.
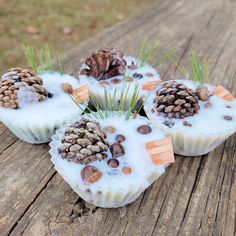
[[84, 142], [104, 64], [175, 100], [20, 86]]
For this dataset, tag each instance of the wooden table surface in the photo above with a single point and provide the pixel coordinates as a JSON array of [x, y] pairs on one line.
[[196, 196]]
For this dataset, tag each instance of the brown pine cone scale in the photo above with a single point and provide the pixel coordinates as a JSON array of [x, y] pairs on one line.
[[104, 64], [84, 142], [22, 84], [175, 100]]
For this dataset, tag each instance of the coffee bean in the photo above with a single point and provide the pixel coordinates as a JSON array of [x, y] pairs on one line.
[[186, 123], [228, 117], [207, 105], [126, 170], [113, 163], [117, 150], [115, 81], [67, 88], [132, 66], [169, 124], [149, 74], [103, 83], [90, 174], [144, 129], [120, 138], [137, 76], [127, 78]]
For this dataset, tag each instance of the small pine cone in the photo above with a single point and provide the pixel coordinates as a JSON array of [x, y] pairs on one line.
[[176, 100], [21, 86], [104, 64], [84, 142]]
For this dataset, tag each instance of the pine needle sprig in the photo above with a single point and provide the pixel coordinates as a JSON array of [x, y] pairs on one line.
[[44, 58], [199, 70], [144, 100], [41, 59], [110, 102], [147, 53], [169, 54], [97, 106], [78, 105], [30, 56], [61, 65], [133, 102], [123, 96]]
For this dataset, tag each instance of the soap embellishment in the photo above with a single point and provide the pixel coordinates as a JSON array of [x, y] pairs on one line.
[[90, 174], [228, 117], [221, 92], [203, 93], [19, 87], [207, 105], [113, 163], [144, 129], [67, 88], [109, 129], [81, 94], [186, 123], [117, 150], [176, 100], [149, 74], [161, 151], [120, 138], [127, 170], [104, 64], [84, 142], [132, 66], [149, 86], [103, 83], [169, 123]]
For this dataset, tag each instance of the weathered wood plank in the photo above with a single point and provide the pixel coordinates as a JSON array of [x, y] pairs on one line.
[[6, 137], [196, 196], [25, 170]]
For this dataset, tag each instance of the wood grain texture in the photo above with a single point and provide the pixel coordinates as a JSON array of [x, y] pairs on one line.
[[196, 196]]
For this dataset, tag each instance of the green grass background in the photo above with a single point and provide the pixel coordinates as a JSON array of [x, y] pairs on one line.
[[49, 17]]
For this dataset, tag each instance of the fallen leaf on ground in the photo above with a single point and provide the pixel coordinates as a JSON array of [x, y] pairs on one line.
[[32, 30], [67, 30]]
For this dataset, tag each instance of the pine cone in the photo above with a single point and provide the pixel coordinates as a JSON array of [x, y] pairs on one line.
[[104, 64], [20, 85], [84, 142], [176, 100]]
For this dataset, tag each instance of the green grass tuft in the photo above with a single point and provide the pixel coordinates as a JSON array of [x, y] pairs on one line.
[[199, 70], [30, 56], [41, 59], [147, 53], [110, 103]]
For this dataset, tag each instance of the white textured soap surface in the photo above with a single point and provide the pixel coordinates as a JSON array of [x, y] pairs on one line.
[[98, 89], [57, 108], [208, 121], [114, 179]]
